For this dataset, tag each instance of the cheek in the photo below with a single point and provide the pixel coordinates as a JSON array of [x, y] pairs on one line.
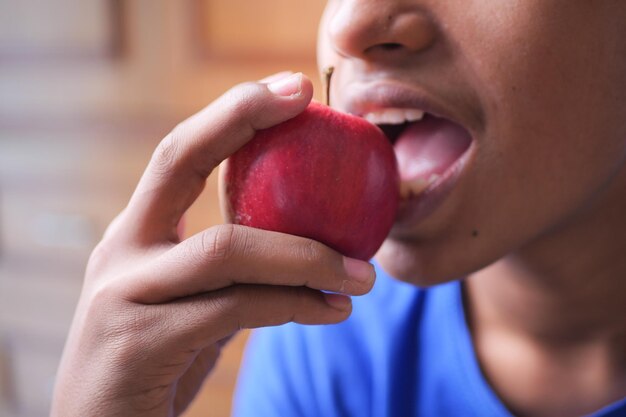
[[553, 83], [547, 67], [554, 138]]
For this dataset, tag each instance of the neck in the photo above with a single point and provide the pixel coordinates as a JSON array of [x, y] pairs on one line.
[[556, 307], [567, 285]]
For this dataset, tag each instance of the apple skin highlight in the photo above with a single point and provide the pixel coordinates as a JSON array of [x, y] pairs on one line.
[[323, 175]]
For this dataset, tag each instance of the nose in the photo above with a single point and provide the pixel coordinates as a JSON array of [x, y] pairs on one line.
[[379, 29]]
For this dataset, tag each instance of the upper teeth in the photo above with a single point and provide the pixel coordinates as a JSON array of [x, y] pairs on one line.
[[394, 116]]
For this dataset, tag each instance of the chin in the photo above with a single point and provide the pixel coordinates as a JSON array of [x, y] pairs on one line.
[[414, 263]]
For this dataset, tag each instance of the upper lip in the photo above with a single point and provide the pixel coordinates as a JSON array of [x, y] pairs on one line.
[[361, 98]]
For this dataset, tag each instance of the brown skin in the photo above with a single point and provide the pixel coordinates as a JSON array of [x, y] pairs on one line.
[[156, 308], [536, 219], [541, 85]]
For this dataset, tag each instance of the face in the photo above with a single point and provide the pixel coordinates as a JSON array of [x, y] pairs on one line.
[[525, 124]]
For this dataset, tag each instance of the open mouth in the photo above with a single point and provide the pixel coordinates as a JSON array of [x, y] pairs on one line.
[[426, 146]]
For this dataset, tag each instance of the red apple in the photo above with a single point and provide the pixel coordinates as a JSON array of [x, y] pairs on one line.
[[324, 175]]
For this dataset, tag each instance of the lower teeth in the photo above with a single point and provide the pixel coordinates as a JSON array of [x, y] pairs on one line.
[[413, 188]]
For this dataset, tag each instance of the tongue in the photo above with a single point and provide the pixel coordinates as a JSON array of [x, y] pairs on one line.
[[429, 147]]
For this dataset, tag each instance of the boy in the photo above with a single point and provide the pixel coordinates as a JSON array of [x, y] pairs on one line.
[[526, 161]]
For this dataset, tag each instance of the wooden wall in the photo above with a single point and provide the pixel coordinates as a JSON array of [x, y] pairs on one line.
[[87, 89]]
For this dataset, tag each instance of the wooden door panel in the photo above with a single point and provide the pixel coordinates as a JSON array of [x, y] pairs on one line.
[[87, 89], [41, 29], [270, 29]]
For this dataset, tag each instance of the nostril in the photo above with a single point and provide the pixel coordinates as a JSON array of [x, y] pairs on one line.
[[384, 47], [390, 46], [394, 30]]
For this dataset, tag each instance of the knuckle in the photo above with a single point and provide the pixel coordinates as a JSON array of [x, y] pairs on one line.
[[121, 326], [99, 259], [310, 251], [218, 244], [226, 307], [227, 303], [168, 150], [107, 300], [245, 101], [105, 258], [115, 227], [247, 95], [105, 314]]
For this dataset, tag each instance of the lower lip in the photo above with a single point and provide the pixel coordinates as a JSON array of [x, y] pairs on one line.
[[415, 209]]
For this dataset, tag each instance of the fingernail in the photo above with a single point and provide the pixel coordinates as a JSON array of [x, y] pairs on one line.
[[360, 271], [290, 86], [338, 301]]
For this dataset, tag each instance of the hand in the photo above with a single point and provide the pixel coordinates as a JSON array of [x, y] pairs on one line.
[[155, 309]]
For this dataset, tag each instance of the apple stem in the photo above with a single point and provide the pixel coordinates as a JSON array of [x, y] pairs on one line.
[[328, 73]]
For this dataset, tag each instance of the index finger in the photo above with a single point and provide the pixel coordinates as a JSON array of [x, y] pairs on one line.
[[183, 160], [227, 255]]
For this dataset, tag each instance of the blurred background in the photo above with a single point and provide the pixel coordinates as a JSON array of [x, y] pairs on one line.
[[87, 90]]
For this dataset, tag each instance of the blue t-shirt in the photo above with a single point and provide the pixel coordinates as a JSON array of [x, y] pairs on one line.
[[405, 351]]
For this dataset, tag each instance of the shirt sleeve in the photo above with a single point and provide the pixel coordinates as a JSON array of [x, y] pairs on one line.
[[275, 378]]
